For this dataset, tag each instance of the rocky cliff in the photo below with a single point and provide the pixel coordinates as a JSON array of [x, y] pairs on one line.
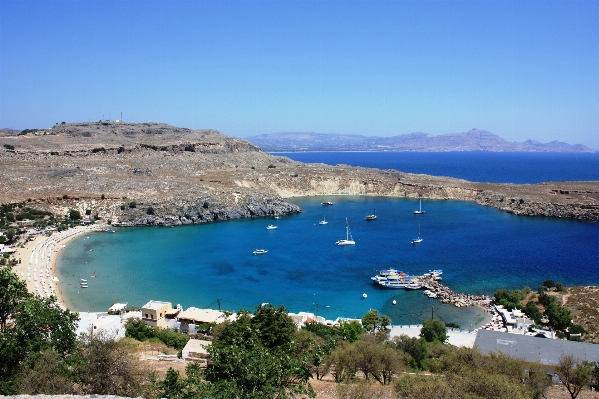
[[156, 174]]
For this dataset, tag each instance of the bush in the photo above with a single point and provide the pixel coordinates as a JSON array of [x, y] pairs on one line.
[[123, 207], [132, 204], [549, 283], [9, 147], [205, 205], [74, 214], [65, 196], [150, 210], [271, 166]]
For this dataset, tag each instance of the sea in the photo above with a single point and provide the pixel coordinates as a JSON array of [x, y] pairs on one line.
[[479, 249]]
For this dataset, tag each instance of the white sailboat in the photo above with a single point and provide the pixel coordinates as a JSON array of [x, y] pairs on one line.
[[349, 240], [324, 220], [419, 211], [419, 239]]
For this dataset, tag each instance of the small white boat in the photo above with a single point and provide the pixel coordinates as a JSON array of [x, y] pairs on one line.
[[394, 284], [327, 203], [324, 220], [277, 217], [371, 217], [349, 240], [414, 285], [271, 227], [83, 281], [109, 230], [364, 296], [260, 251], [419, 239], [419, 211]]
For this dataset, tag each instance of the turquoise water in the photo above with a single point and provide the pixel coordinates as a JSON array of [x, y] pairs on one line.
[[480, 249]]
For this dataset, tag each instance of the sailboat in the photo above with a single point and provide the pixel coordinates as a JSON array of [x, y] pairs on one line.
[[349, 240], [324, 220], [371, 217], [419, 239], [420, 211]]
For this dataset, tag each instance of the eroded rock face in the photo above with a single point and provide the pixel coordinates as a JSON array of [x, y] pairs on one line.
[[181, 176]]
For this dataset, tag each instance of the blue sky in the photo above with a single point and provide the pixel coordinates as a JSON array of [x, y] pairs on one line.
[[520, 69]]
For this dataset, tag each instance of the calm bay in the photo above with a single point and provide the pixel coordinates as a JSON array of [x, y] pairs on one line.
[[480, 249]]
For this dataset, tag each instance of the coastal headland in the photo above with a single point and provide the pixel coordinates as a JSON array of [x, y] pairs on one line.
[[137, 174]]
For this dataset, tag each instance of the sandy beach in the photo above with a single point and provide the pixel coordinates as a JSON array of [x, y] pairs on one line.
[[37, 261]]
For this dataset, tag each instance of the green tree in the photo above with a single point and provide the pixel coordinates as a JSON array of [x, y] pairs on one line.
[[351, 331], [508, 298], [13, 291], [74, 214], [258, 357], [549, 283], [109, 367], [370, 320], [414, 347], [574, 374], [45, 373], [532, 311], [434, 330], [37, 325], [559, 317]]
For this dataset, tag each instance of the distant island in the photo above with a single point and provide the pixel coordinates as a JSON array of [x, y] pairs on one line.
[[474, 140]]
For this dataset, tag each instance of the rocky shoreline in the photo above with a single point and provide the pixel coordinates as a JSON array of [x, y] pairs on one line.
[[151, 174]]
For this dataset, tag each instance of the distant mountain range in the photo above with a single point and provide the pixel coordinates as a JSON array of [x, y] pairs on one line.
[[474, 140]]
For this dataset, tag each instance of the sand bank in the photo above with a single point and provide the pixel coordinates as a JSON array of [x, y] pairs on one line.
[[37, 261]]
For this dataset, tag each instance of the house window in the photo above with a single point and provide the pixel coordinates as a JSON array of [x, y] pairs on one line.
[[146, 316]]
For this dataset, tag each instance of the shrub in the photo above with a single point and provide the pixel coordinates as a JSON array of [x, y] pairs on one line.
[[74, 214], [132, 204], [271, 166], [150, 210], [205, 205], [122, 207], [65, 196], [9, 147], [102, 196], [549, 283]]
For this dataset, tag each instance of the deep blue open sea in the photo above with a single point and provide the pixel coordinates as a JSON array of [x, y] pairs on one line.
[[480, 249]]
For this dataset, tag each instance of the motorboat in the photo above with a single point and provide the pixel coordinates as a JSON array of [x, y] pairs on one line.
[[419, 239], [324, 220], [327, 203], [419, 211], [277, 217], [109, 230], [414, 285], [271, 227], [394, 284], [384, 275], [371, 217], [260, 251], [349, 240]]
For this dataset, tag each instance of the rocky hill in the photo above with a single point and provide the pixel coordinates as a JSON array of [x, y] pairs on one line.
[[156, 174], [474, 140]]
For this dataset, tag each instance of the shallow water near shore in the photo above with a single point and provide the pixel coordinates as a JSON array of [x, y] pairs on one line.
[[480, 249]]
